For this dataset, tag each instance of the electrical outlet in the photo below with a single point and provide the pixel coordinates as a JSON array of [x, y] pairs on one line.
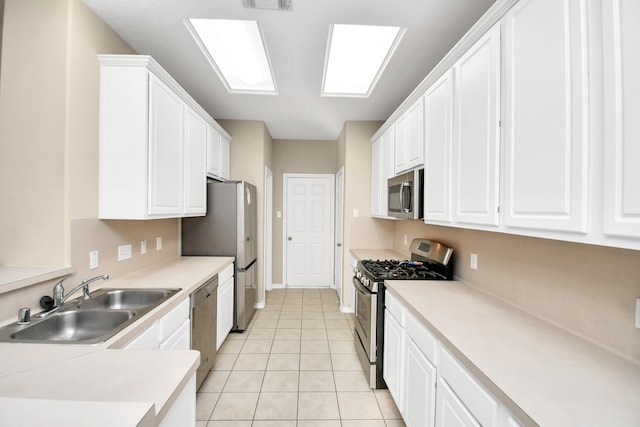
[[143, 247], [405, 240], [356, 212], [124, 252], [474, 262], [158, 243], [638, 313], [93, 260]]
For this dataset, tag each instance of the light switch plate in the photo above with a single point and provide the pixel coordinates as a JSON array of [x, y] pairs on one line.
[[158, 243], [124, 252], [638, 313], [143, 247]]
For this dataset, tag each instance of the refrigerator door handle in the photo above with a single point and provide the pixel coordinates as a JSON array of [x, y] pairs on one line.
[[247, 268]]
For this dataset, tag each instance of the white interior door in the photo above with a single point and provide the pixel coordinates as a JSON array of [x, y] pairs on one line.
[[308, 230], [339, 262]]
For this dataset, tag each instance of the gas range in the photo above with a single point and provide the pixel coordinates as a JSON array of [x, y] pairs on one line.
[[429, 261]]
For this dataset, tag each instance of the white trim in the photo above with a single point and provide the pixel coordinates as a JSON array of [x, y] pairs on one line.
[[277, 286], [346, 309], [285, 182], [259, 305], [268, 230]]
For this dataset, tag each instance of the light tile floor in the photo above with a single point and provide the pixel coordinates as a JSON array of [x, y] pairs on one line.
[[295, 366]]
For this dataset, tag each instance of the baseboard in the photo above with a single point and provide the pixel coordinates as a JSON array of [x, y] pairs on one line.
[[277, 286], [259, 305], [346, 308]]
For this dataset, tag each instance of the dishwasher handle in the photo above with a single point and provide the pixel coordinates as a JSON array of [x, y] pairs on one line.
[[205, 291]]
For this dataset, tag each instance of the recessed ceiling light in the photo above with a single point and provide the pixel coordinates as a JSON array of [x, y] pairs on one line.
[[356, 57], [237, 52]]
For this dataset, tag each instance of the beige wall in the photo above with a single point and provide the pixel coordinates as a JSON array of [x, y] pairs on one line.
[[360, 230], [294, 156], [49, 88], [589, 290], [250, 151]]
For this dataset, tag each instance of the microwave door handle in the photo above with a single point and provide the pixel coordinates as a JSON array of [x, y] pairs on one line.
[[402, 205]]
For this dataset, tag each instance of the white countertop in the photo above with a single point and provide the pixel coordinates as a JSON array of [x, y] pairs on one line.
[[99, 383], [545, 375]]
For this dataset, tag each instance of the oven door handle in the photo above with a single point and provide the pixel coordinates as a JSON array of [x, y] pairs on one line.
[[360, 287]]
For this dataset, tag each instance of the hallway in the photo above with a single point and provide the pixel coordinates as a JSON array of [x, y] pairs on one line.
[[295, 366]]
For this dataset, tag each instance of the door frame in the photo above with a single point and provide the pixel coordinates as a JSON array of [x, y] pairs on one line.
[[285, 183], [338, 267], [268, 229]]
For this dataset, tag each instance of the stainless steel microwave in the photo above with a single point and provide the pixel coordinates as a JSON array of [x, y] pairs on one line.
[[405, 197]]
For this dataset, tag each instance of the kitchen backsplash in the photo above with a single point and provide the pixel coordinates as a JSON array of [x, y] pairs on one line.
[[89, 235], [589, 290]]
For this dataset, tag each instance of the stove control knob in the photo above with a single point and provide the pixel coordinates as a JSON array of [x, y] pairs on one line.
[[358, 274], [367, 282]]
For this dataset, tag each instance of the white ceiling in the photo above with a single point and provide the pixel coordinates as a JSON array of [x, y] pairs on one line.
[[296, 42]]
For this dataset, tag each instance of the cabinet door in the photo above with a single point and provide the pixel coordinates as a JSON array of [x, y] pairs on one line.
[[400, 145], [214, 153], [393, 354], [195, 144], [415, 135], [450, 412], [621, 125], [376, 177], [146, 340], [476, 132], [419, 388], [225, 311], [165, 150], [180, 339], [546, 138], [438, 120], [224, 165]]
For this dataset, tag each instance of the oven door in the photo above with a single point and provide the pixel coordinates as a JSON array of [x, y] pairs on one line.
[[365, 323]]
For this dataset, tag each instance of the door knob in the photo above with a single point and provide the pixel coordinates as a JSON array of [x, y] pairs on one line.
[[289, 238], [339, 244]]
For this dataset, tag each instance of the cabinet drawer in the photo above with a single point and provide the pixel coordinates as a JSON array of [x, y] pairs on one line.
[[225, 274], [395, 307], [171, 321], [483, 406], [424, 340], [146, 340]]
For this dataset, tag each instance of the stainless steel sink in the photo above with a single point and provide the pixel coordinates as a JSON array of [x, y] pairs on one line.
[[126, 299], [91, 321], [76, 326]]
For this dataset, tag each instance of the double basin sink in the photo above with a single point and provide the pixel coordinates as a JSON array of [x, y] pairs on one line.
[[90, 321]]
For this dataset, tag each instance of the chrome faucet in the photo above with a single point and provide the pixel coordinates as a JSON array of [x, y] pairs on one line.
[[58, 290], [59, 296]]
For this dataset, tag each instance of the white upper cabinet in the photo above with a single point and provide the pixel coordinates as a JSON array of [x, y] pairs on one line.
[[438, 135], [195, 150], [476, 136], [382, 168], [622, 117], [153, 141], [165, 150], [217, 154], [409, 139], [546, 132]]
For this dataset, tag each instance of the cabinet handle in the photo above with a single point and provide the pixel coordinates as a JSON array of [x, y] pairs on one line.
[[289, 238]]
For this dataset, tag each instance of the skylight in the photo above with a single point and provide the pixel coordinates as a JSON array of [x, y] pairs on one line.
[[237, 52], [356, 57]]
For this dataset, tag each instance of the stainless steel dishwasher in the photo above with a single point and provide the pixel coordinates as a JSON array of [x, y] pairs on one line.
[[204, 302]]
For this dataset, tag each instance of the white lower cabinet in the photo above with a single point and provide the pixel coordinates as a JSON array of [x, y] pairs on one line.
[[393, 355], [171, 331], [183, 411], [428, 384], [419, 388], [225, 305], [450, 411]]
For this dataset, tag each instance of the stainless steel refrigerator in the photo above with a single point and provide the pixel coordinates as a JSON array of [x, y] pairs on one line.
[[229, 229]]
